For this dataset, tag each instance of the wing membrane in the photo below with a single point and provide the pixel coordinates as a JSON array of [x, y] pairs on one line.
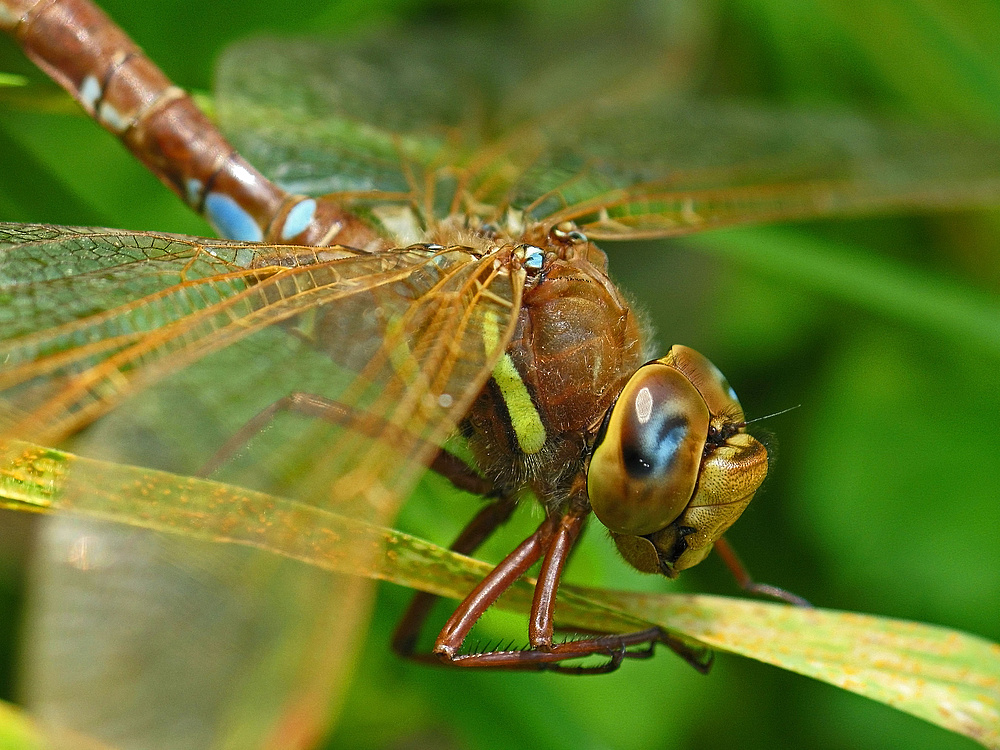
[[396, 308], [194, 338], [453, 126]]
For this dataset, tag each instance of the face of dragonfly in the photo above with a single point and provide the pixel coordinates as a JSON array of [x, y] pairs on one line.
[[673, 466], [185, 341]]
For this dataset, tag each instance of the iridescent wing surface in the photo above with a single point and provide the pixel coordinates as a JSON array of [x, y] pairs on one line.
[[592, 136], [175, 643]]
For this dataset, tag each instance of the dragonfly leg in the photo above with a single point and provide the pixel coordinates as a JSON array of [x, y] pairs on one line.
[[485, 522], [501, 578], [744, 580], [551, 542], [448, 465]]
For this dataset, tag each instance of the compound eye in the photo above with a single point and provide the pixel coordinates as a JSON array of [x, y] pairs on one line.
[[645, 463], [710, 382]]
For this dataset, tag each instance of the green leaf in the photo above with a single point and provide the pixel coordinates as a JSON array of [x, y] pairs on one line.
[[17, 732], [946, 677]]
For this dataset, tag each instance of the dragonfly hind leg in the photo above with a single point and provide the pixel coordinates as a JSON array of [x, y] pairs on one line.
[[551, 543], [483, 524]]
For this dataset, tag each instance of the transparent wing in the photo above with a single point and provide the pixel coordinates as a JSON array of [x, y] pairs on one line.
[[601, 136], [359, 115], [153, 349], [96, 315]]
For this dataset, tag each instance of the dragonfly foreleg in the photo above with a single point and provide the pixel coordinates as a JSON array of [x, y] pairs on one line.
[[746, 582], [485, 522], [552, 543]]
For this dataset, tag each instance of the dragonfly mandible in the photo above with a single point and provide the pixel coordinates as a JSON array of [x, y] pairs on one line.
[[438, 280]]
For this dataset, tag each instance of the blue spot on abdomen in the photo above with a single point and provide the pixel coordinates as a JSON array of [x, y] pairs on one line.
[[230, 219], [90, 93], [193, 192], [298, 218]]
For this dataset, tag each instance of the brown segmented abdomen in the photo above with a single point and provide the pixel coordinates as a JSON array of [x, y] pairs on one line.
[[82, 49]]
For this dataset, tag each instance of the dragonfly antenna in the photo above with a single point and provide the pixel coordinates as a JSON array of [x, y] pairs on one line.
[[775, 414]]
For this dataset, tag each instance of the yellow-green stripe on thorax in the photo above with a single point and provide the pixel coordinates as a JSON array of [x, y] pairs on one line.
[[524, 417]]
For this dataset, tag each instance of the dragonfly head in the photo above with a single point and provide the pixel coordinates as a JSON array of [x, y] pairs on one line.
[[672, 466]]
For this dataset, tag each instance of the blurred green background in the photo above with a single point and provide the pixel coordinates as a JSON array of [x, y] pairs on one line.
[[883, 498]]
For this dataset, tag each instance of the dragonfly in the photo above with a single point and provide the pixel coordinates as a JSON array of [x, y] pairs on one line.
[[425, 279]]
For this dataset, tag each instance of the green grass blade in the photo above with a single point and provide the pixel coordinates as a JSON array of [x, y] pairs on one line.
[[17, 731], [946, 677]]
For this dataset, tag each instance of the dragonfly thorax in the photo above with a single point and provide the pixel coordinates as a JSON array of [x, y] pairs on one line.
[[575, 344]]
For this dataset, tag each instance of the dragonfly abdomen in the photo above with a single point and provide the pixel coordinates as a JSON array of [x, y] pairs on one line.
[[80, 48]]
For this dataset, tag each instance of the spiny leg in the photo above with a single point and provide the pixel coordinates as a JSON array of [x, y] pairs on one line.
[[485, 522], [747, 583], [552, 542], [488, 590], [540, 624], [481, 526]]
